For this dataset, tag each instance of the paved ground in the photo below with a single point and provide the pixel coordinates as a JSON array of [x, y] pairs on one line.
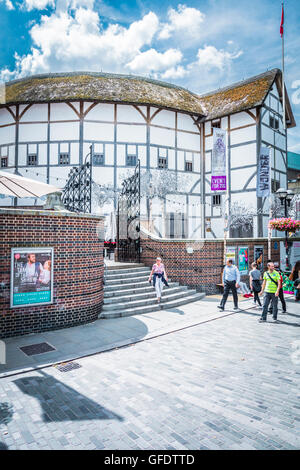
[[229, 383]]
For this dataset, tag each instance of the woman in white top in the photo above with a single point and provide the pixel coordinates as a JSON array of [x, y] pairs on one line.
[[159, 277]]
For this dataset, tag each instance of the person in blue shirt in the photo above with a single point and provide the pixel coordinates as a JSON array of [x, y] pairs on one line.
[[231, 279]]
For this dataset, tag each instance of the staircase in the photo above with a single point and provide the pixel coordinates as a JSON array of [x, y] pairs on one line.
[[128, 292]]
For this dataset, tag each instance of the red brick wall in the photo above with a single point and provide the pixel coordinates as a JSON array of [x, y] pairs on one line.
[[78, 269], [202, 268]]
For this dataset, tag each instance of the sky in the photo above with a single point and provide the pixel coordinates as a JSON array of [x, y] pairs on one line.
[[200, 45]]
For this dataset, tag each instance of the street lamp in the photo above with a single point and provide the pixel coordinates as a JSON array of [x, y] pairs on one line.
[[285, 196]]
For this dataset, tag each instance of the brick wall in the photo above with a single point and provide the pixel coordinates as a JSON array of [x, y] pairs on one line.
[[202, 268], [78, 269]]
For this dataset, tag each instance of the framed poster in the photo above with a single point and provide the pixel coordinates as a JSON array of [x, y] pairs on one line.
[[231, 253], [259, 257], [31, 277], [243, 259]]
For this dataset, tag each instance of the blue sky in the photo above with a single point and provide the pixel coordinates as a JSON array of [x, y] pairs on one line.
[[200, 45]]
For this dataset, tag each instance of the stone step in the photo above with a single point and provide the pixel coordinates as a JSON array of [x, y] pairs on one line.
[[128, 275], [139, 289], [116, 266], [129, 285], [124, 271], [141, 295], [146, 301], [126, 280], [152, 308]]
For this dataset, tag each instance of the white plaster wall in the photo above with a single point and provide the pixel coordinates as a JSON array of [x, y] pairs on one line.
[[109, 154], [127, 113], [240, 177], [164, 118], [67, 131], [131, 133], [243, 135], [208, 143], [42, 154], [171, 160], [7, 135], [207, 162], [121, 155], [36, 112], [160, 136], [153, 157], [5, 117], [241, 119], [74, 156], [62, 112], [100, 112], [11, 155], [103, 175], [196, 162], [142, 154], [53, 154], [188, 141], [186, 123], [243, 155], [180, 160], [94, 131], [22, 154]]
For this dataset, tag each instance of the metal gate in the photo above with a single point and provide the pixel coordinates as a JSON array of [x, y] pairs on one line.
[[77, 193], [128, 239]]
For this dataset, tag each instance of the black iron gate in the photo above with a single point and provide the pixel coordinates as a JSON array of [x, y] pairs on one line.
[[77, 193], [128, 241]]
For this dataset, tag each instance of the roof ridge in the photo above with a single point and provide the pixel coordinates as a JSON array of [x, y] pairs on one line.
[[241, 82], [100, 74]]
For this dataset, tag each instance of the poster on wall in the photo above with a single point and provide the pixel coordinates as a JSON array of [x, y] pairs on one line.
[[264, 173], [31, 277], [243, 259], [294, 254], [259, 257], [231, 253], [218, 161]]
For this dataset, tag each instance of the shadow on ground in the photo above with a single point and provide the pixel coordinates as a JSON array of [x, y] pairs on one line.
[[6, 413], [60, 402]]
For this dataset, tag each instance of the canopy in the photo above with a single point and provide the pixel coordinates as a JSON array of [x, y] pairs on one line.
[[18, 186]]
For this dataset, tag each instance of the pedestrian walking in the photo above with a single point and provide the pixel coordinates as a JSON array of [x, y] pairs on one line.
[[295, 277], [255, 283], [271, 287], [231, 278], [281, 295], [159, 277]]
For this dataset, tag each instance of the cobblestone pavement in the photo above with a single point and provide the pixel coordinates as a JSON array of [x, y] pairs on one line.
[[231, 383]]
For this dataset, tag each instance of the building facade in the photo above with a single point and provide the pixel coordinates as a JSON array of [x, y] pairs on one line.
[[49, 122]]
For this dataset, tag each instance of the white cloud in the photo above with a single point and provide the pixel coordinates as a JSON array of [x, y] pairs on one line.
[[296, 94], [38, 4], [175, 73], [185, 21], [9, 5], [210, 57], [154, 61], [70, 40]]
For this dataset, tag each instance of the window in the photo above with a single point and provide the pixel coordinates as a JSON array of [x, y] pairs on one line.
[[216, 124], [188, 166], [131, 160], [274, 122], [4, 162], [64, 159], [216, 200], [98, 159], [32, 159], [176, 225], [162, 162], [275, 185]]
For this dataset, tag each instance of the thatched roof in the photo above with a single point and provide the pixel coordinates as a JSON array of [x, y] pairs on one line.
[[113, 88], [103, 87]]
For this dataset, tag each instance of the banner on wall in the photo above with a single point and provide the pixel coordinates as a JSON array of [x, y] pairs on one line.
[[264, 173], [259, 257], [231, 253], [218, 161], [243, 259], [31, 277], [294, 254]]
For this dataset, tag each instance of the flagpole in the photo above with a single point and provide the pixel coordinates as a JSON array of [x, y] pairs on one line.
[[283, 87]]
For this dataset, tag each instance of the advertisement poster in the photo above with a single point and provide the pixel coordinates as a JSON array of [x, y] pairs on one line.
[[218, 161], [259, 257], [31, 277], [294, 254], [243, 260], [264, 173], [231, 253]]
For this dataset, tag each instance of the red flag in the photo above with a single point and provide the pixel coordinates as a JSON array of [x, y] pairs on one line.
[[282, 22]]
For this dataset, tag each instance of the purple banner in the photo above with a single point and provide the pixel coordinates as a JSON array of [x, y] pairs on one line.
[[218, 183]]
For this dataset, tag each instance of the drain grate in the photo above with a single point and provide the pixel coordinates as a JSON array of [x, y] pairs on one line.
[[38, 348], [67, 366]]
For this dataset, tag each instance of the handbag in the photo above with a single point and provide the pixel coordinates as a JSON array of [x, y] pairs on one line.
[[256, 285]]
